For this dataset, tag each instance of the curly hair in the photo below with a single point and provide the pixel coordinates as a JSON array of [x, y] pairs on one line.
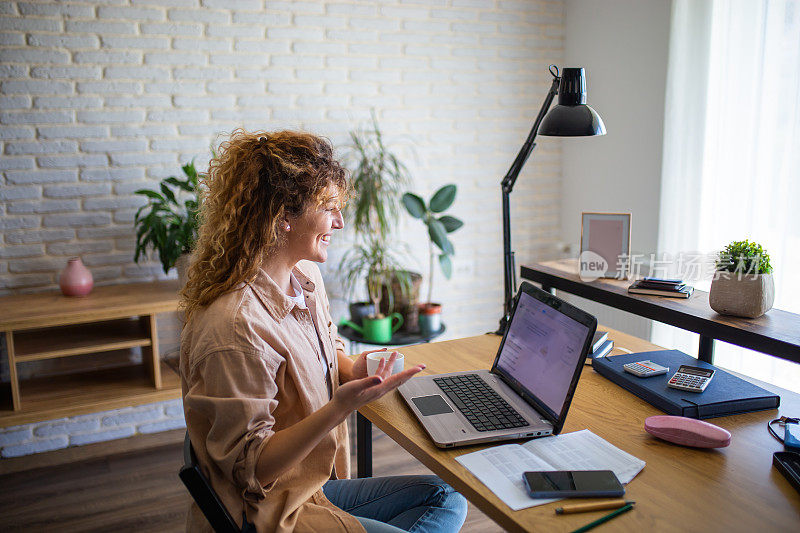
[[253, 183]]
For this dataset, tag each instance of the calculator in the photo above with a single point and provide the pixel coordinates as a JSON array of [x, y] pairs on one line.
[[645, 369], [691, 378]]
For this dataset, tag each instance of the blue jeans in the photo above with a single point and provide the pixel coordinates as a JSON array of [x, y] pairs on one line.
[[400, 503]]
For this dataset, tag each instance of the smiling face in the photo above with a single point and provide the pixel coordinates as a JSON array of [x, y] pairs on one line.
[[310, 233]]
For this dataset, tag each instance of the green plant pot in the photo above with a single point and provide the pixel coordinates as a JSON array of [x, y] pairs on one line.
[[377, 330]]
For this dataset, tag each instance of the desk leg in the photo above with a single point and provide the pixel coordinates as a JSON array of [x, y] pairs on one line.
[[363, 445], [706, 351]]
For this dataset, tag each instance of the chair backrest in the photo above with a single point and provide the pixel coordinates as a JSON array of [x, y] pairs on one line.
[[203, 493]]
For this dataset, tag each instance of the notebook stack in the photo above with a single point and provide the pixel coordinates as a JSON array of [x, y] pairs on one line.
[[674, 288]]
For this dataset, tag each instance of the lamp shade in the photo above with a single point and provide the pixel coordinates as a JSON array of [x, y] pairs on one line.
[[571, 117]]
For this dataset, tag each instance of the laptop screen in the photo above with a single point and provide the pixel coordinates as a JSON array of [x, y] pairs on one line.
[[542, 351]]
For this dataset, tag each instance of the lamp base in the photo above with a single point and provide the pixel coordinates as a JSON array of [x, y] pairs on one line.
[[503, 326]]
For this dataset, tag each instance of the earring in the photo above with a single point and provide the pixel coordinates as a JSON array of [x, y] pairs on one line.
[[288, 227]]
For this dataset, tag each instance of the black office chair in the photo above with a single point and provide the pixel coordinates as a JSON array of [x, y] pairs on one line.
[[203, 493]]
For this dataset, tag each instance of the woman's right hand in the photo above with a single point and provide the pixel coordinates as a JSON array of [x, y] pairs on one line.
[[353, 394]]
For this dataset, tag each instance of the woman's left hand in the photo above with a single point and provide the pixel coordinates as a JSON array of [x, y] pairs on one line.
[[360, 364], [358, 392]]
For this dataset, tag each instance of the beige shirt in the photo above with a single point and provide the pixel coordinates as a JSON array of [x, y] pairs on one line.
[[250, 366]]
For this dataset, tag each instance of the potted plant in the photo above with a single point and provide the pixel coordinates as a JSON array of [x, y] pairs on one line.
[[439, 226], [402, 295], [377, 178], [743, 284], [168, 223], [375, 263]]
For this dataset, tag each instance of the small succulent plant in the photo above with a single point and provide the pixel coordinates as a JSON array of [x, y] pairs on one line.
[[744, 257]]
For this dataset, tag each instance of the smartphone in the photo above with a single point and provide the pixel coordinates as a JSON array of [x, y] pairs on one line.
[[665, 281], [573, 484]]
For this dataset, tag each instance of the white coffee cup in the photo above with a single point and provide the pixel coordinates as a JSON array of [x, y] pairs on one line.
[[374, 359]]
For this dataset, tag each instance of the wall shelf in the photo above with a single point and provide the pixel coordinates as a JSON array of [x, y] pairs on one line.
[[64, 341], [50, 325], [87, 392]]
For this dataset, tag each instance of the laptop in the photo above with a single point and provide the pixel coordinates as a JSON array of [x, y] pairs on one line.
[[529, 388]]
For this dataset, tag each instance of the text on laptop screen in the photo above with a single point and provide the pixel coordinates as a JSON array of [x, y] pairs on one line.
[[541, 350]]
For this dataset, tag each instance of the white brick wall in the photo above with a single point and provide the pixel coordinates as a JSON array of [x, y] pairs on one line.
[[98, 99], [16, 441]]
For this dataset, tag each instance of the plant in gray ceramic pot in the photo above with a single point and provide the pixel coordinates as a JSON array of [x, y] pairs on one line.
[[743, 284]]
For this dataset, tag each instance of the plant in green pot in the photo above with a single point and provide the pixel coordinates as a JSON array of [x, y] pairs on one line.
[[168, 222], [743, 284], [440, 248]]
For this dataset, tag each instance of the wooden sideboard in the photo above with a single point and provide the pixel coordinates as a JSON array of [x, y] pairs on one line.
[[50, 325]]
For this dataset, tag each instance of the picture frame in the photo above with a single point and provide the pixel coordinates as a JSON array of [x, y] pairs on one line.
[[605, 238]]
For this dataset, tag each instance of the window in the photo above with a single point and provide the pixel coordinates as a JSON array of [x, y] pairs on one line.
[[732, 151]]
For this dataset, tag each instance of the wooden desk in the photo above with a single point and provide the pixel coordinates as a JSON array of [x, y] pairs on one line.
[[729, 489], [777, 333]]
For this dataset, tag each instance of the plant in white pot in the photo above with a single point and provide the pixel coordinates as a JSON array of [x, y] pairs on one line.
[[743, 284], [168, 222], [439, 226]]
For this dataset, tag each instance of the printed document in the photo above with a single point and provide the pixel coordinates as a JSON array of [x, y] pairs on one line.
[[500, 468]]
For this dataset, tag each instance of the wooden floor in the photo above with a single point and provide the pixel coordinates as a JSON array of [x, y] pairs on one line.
[[137, 491]]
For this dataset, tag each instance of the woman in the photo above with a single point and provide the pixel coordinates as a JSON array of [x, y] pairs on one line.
[[266, 384]]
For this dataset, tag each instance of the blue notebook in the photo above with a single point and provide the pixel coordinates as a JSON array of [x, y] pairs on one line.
[[725, 395]]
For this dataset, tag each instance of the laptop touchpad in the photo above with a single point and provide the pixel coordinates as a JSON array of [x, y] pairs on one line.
[[431, 405]]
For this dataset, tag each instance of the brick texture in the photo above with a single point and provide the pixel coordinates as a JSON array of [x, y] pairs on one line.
[[85, 429], [99, 99]]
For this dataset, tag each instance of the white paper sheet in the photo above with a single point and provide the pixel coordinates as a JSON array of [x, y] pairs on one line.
[[583, 450], [500, 468]]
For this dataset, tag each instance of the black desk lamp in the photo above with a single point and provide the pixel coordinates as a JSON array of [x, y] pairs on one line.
[[571, 117]]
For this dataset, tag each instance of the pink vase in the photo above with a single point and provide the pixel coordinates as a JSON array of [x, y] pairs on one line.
[[75, 279]]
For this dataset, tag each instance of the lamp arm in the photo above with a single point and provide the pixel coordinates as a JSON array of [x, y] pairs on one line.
[[507, 185], [525, 152]]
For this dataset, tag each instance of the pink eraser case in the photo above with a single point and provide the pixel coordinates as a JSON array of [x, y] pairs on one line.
[[687, 431]]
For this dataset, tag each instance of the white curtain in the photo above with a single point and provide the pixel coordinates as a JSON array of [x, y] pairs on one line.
[[732, 152]]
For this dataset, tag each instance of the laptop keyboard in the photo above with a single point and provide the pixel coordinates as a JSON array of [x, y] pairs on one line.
[[484, 408]]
